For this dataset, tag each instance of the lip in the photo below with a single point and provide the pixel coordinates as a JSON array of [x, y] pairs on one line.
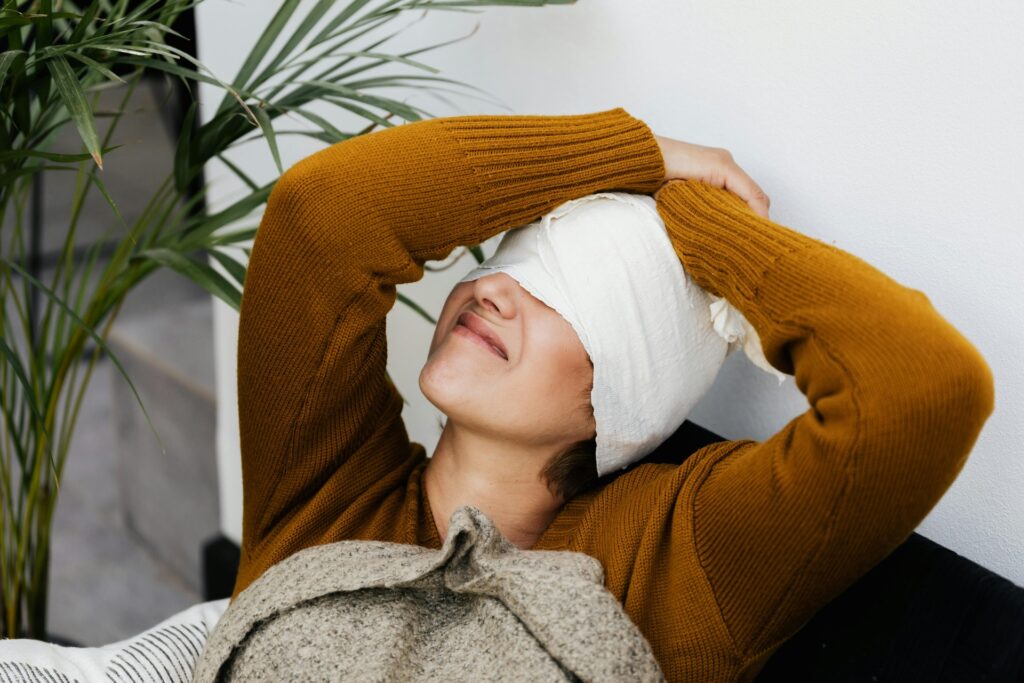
[[475, 326]]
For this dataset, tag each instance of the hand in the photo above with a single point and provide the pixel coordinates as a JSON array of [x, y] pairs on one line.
[[714, 166]]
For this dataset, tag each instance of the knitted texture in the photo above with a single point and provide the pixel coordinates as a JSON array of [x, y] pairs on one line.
[[380, 611], [718, 560]]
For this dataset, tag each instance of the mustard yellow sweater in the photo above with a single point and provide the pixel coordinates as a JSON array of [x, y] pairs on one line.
[[718, 560]]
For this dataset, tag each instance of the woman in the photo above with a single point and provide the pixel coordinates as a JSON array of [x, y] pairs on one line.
[[718, 560]]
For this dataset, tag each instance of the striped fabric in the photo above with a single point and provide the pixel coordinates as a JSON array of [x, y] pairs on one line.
[[165, 653]]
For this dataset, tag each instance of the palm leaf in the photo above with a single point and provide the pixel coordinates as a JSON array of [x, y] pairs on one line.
[[49, 156], [83, 25], [337, 21], [408, 112], [6, 60], [382, 56], [197, 230], [200, 273], [259, 51], [19, 371], [325, 125], [92, 63], [184, 150], [74, 100], [89, 331], [233, 267], [231, 238], [365, 113], [312, 18], [268, 131], [239, 172], [416, 307]]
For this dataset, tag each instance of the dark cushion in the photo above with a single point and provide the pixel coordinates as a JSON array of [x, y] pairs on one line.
[[924, 613]]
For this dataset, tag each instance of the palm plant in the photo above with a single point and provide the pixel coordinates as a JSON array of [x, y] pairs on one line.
[[55, 57]]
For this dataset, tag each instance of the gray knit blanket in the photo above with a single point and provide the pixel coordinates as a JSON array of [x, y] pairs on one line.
[[479, 608]]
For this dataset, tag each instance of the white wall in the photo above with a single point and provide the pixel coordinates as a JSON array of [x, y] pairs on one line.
[[892, 130]]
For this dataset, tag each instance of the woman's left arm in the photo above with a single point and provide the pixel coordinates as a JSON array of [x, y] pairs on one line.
[[898, 397]]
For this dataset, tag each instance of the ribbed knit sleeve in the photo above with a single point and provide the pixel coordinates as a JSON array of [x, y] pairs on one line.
[[322, 438], [897, 399]]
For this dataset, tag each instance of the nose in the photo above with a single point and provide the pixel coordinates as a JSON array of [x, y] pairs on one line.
[[499, 293]]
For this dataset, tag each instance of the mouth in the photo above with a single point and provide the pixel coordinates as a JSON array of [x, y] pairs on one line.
[[474, 327]]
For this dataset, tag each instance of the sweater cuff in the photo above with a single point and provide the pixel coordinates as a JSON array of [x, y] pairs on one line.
[[520, 160]]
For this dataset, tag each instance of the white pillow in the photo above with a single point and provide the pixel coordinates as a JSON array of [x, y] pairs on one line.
[[166, 652]]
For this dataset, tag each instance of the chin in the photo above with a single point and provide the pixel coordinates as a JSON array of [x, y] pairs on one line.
[[455, 389], [427, 386], [440, 383]]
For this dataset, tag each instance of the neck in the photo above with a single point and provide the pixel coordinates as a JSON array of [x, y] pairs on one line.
[[499, 478]]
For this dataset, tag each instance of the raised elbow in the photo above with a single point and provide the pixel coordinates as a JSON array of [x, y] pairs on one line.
[[940, 418], [955, 378], [980, 387], [965, 387], [292, 185], [922, 416]]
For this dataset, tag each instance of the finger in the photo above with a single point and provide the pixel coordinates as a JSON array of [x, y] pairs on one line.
[[741, 184]]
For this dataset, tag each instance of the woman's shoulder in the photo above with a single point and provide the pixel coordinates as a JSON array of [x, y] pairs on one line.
[[619, 507], [665, 472]]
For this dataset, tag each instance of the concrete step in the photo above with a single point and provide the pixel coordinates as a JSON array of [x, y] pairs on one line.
[[169, 499]]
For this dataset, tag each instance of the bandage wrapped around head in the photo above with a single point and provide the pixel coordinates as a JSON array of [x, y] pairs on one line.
[[657, 340]]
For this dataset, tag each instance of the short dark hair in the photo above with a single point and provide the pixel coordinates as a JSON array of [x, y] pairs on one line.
[[574, 470]]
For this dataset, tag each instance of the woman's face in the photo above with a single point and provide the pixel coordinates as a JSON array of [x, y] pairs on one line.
[[538, 395]]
